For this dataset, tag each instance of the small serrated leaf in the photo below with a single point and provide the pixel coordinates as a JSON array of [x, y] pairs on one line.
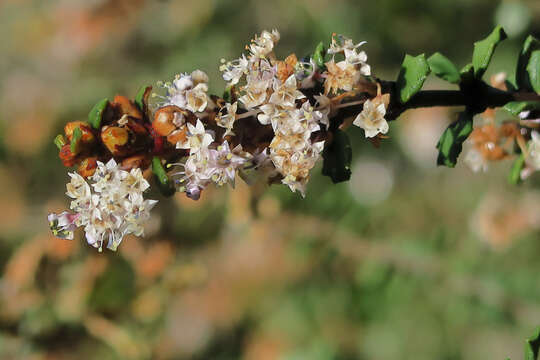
[[533, 69], [442, 67], [532, 345], [414, 72], [319, 54], [484, 49], [75, 140], [530, 45], [96, 114], [515, 173], [516, 107], [451, 142], [337, 158], [164, 183]]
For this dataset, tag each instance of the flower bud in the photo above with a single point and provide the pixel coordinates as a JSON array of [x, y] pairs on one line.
[[114, 137], [68, 158], [169, 118], [141, 161], [87, 135], [87, 167]]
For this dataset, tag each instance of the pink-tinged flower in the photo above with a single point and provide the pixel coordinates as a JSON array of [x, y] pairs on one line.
[[234, 70], [63, 225]]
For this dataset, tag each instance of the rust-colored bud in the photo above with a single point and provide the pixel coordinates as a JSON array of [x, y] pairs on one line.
[[87, 135], [87, 167], [141, 161], [163, 122], [127, 107], [178, 136], [68, 158], [113, 137]]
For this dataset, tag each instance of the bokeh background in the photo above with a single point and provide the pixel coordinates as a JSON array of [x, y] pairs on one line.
[[406, 261]]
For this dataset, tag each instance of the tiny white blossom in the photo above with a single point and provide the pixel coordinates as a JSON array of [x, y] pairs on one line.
[[371, 119], [285, 94], [533, 158], [264, 44], [198, 138], [226, 120], [234, 70], [475, 160]]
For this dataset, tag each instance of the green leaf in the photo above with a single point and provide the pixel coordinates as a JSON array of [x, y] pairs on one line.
[[337, 158], [164, 183], [532, 345], [441, 66], [515, 173], [484, 49], [414, 72], [59, 141], [227, 94], [523, 81], [533, 69], [139, 98], [451, 142], [75, 139], [96, 114], [516, 107], [319, 54]]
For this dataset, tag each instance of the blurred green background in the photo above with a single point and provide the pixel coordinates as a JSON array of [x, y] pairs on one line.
[[406, 261]]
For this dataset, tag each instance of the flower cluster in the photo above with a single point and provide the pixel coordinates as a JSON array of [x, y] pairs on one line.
[[109, 208], [489, 142], [275, 118]]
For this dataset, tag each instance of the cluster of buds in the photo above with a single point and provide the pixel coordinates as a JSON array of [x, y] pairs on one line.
[[116, 129]]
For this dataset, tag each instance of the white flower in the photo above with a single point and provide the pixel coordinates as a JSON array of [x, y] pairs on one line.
[[234, 70], [255, 92], [264, 44], [340, 76], [285, 94], [341, 43], [63, 224], [196, 98], [199, 77], [198, 138], [224, 163], [533, 158], [113, 209], [226, 120], [371, 119], [186, 91], [475, 160], [358, 58]]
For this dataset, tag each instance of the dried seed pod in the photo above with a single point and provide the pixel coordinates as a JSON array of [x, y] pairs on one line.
[[141, 161], [87, 167], [169, 118], [113, 138], [124, 106]]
